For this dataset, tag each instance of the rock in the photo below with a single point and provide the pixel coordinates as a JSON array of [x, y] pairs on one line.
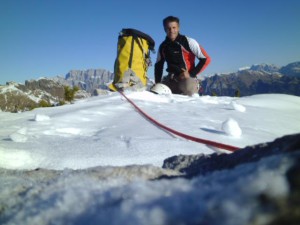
[[81, 94], [292, 69], [276, 202], [47, 85], [89, 80], [193, 165], [15, 97], [255, 185], [100, 92]]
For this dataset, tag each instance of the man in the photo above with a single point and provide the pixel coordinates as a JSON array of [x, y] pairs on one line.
[[179, 52]]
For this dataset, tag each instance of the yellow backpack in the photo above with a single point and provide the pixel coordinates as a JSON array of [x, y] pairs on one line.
[[133, 60]]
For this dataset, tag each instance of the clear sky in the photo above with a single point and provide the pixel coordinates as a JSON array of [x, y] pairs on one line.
[[48, 38]]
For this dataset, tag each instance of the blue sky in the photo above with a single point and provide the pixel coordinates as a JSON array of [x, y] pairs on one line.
[[48, 38]]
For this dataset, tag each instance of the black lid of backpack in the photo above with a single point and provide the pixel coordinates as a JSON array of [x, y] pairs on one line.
[[137, 33]]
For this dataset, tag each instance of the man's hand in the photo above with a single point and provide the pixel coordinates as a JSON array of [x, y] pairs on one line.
[[184, 74]]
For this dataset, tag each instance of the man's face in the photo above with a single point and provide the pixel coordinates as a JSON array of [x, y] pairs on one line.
[[172, 30]]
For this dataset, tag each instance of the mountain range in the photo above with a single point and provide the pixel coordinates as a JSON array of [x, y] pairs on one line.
[[15, 97], [257, 79], [91, 80]]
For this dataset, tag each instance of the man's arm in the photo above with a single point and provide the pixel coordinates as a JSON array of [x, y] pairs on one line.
[[201, 54]]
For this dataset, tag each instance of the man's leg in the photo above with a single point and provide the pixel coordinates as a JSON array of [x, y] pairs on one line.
[[188, 86], [172, 84]]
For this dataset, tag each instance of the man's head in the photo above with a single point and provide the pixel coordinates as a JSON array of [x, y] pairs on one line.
[[171, 26]]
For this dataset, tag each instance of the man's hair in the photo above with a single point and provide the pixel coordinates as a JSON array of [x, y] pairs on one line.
[[170, 19]]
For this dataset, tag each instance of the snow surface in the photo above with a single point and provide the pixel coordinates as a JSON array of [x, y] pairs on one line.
[[107, 130]]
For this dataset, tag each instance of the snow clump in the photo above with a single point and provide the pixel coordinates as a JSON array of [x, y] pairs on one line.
[[231, 128], [238, 107], [40, 117], [19, 136]]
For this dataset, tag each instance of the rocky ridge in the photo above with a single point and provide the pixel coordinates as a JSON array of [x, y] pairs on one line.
[[91, 80], [258, 79], [15, 97]]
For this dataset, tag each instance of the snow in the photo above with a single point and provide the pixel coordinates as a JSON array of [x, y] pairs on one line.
[[238, 107], [231, 128], [8, 88], [100, 152], [108, 131], [244, 68], [39, 118]]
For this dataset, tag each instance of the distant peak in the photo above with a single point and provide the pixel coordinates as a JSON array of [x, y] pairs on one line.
[[244, 68], [271, 68]]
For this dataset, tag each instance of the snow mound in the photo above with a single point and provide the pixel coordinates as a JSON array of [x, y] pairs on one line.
[[231, 128], [16, 137], [19, 136], [238, 107], [149, 97], [272, 101], [40, 117]]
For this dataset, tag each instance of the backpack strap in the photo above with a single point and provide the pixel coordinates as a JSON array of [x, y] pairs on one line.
[[138, 41], [131, 53]]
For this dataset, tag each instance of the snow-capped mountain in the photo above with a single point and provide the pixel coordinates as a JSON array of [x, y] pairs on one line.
[[270, 68], [292, 69], [257, 79]]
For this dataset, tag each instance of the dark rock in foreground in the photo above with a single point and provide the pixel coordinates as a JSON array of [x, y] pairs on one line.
[[278, 209], [194, 165]]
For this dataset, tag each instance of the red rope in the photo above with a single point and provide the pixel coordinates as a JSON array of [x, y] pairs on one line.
[[199, 140]]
